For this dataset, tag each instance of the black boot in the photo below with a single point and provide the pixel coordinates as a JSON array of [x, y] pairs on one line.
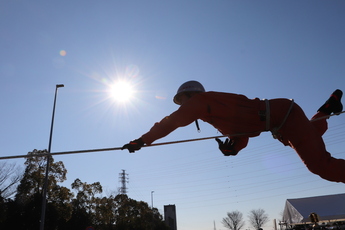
[[333, 104]]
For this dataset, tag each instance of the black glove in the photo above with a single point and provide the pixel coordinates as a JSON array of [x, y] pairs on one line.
[[134, 145], [227, 148]]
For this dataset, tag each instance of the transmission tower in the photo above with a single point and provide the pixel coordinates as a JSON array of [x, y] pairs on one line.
[[123, 180]]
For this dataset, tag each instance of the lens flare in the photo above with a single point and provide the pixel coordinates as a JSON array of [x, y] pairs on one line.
[[63, 53]]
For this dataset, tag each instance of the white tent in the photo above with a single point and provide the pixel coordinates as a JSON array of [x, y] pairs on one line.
[[330, 207]]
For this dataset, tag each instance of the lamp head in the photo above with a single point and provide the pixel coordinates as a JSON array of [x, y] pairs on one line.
[[60, 85]]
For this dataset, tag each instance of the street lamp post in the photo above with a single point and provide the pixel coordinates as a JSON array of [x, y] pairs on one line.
[[44, 196], [153, 215], [152, 199]]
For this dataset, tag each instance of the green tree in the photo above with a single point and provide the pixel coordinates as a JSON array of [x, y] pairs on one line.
[[59, 209], [136, 215], [84, 204], [86, 194], [33, 179], [66, 211], [105, 213], [29, 193]]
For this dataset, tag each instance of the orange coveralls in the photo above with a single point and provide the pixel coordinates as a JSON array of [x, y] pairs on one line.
[[234, 114]]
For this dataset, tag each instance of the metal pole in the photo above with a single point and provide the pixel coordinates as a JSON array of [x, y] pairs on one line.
[[152, 199], [44, 196], [152, 145], [153, 214]]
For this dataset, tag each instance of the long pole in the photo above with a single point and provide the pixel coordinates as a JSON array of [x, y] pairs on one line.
[[152, 145], [44, 196], [106, 149]]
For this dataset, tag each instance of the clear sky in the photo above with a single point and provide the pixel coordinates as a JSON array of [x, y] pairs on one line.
[[265, 49]]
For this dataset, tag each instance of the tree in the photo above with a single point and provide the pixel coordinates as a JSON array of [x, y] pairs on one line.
[[136, 215], [10, 175], [84, 205], [59, 209], [105, 213], [2, 210], [258, 218], [33, 179], [86, 194], [28, 199], [233, 221], [66, 211]]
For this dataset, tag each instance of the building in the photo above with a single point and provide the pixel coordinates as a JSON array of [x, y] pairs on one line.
[[170, 216]]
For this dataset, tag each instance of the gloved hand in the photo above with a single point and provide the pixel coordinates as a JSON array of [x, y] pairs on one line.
[[227, 147], [134, 145]]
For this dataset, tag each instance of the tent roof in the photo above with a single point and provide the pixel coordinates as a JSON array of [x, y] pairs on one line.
[[329, 207]]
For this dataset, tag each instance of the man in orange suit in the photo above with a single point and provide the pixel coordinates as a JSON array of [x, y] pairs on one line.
[[240, 118]]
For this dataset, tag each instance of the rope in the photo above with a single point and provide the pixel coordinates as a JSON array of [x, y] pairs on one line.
[[328, 116], [156, 144]]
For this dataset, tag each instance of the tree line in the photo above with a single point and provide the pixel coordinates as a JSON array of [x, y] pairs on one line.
[[234, 220], [83, 206], [76, 209]]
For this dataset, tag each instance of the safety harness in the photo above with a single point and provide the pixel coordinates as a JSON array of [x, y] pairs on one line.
[[275, 130], [265, 115]]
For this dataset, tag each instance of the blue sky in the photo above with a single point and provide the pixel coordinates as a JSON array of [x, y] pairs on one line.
[[265, 49]]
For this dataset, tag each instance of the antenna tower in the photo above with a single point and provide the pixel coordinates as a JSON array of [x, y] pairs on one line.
[[123, 179]]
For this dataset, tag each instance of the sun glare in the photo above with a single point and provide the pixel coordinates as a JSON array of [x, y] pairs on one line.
[[122, 91]]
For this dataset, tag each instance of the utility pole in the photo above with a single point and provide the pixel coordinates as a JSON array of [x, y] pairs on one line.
[[123, 180]]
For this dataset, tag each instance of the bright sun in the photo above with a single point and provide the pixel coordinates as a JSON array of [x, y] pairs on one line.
[[121, 91]]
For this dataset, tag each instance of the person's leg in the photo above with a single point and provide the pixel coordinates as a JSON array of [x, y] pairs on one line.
[[319, 122], [332, 105], [309, 145], [312, 152]]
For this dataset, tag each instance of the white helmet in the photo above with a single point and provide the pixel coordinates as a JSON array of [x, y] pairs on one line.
[[188, 87]]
